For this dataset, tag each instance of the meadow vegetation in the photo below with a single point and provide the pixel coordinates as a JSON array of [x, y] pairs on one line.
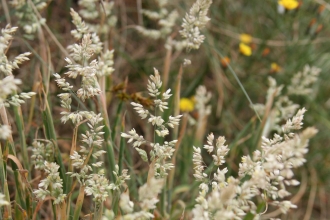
[[158, 109]]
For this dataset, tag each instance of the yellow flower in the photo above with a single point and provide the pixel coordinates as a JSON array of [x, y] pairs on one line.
[[245, 38], [186, 105], [289, 4], [274, 67], [245, 49]]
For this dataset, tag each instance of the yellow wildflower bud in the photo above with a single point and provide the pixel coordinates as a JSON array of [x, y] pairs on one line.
[[245, 49], [274, 67], [245, 38], [289, 4], [186, 105]]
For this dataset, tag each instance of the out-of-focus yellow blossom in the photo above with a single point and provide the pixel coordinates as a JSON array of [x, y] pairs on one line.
[[245, 38], [274, 67], [245, 49], [186, 105], [289, 4]]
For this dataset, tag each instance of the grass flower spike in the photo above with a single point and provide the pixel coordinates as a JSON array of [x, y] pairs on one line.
[[28, 19], [52, 185], [3, 200], [92, 11], [302, 82], [7, 66], [165, 20], [193, 22], [160, 151], [269, 171], [8, 84]]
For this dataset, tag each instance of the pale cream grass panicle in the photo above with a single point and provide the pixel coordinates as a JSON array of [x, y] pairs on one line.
[[81, 53], [42, 151], [302, 82], [198, 164], [125, 203], [202, 98], [134, 137], [88, 9], [5, 38], [186, 62], [94, 136], [160, 104], [284, 206], [3, 201], [156, 120], [165, 21], [209, 146], [7, 66], [52, 185], [148, 198], [77, 160], [153, 34], [81, 32], [17, 100], [90, 40], [81, 27], [148, 194], [274, 89], [65, 100], [120, 179], [221, 151], [154, 84], [178, 45], [89, 12], [84, 51], [105, 63], [89, 88], [5, 132], [143, 113], [82, 173], [270, 170], [160, 152], [8, 85], [193, 22], [108, 215], [62, 83], [295, 123], [27, 17], [75, 117], [162, 132], [283, 108], [173, 121], [98, 186]]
